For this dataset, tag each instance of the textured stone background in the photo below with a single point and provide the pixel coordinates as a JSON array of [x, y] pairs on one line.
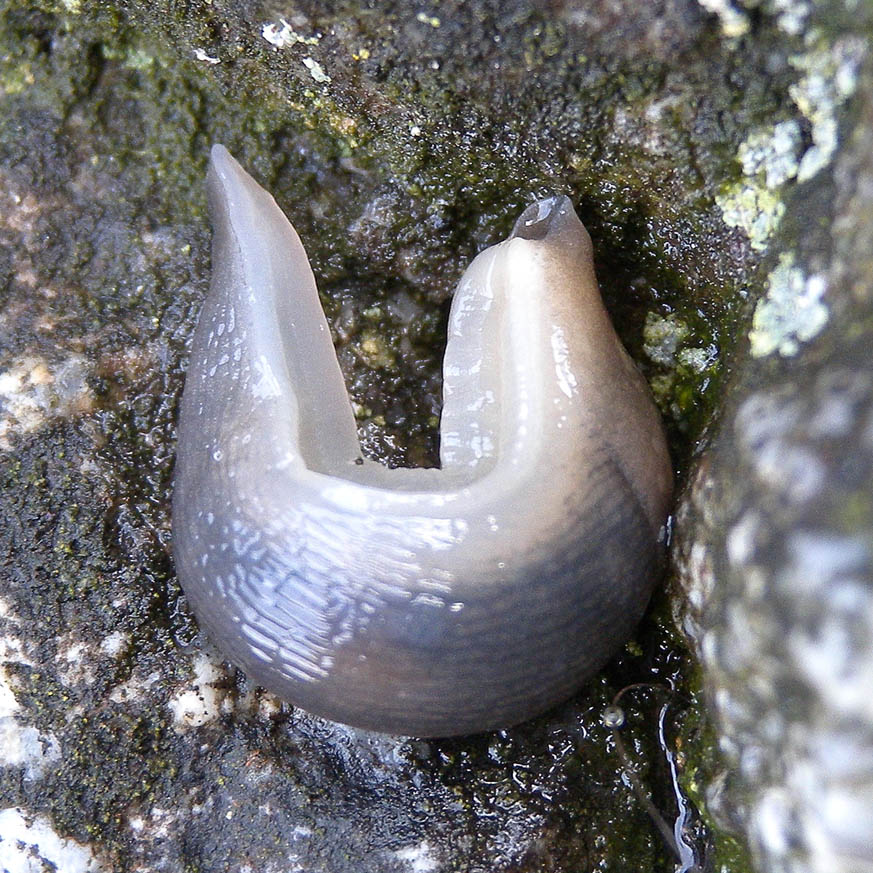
[[720, 154]]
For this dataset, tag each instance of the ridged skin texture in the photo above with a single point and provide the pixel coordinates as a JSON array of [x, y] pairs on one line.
[[419, 602]]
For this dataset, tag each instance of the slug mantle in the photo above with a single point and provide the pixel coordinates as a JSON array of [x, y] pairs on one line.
[[428, 602]]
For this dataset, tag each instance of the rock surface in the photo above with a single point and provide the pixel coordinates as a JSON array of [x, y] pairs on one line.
[[776, 552], [719, 154]]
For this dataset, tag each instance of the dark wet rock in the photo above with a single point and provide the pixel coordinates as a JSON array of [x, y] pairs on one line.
[[699, 142]]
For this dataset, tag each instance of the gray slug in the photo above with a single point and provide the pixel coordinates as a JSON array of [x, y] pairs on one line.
[[425, 602]]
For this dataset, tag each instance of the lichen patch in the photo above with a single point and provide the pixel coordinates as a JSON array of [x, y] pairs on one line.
[[752, 207], [830, 74], [790, 313], [281, 34], [316, 70]]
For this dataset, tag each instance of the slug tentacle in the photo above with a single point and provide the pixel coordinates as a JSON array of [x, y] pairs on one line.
[[428, 602]]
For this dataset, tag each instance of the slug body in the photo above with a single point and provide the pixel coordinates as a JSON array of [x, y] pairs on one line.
[[426, 602]]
